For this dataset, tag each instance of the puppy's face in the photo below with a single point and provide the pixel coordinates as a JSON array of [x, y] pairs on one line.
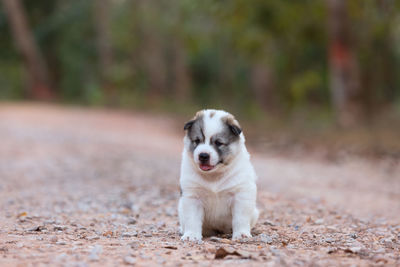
[[212, 139]]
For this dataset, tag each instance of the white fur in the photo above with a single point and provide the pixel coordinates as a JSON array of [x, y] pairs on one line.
[[223, 198]]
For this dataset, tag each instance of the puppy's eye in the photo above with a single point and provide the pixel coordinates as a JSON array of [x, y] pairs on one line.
[[196, 141], [218, 143]]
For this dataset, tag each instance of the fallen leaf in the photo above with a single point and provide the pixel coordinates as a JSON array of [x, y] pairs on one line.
[[354, 250], [108, 233], [380, 259], [332, 250], [22, 214], [223, 252], [171, 247], [38, 228], [269, 223], [126, 211]]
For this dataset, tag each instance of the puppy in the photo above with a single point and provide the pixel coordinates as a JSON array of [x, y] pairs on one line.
[[218, 182]]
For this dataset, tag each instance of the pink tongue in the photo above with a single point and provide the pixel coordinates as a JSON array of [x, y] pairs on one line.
[[205, 167]]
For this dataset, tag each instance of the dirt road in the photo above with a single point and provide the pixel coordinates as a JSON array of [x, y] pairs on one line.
[[83, 187]]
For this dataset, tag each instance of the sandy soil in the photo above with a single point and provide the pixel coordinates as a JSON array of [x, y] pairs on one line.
[[83, 187]]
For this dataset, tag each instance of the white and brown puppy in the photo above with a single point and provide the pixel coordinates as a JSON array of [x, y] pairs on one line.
[[218, 182]]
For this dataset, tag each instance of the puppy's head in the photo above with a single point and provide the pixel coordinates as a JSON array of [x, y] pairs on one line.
[[212, 139]]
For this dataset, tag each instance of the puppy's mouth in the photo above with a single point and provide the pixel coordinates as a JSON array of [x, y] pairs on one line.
[[206, 167]]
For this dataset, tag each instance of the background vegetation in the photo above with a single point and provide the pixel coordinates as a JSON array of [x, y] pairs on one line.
[[329, 61]]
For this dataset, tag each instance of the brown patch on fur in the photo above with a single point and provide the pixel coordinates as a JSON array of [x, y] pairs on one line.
[[230, 120], [199, 114], [232, 124], [212, 113]]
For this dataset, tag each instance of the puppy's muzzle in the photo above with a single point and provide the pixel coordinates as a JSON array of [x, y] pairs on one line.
[[204, 157]]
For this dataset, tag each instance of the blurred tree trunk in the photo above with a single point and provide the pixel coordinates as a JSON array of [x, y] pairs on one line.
[[226, 74], [38, 76], [344, 71], [151, 53], [154, 64], [262, 86], [181, 78], [102, 9]]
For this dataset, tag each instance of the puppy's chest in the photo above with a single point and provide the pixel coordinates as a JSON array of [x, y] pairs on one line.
[[216, 201]]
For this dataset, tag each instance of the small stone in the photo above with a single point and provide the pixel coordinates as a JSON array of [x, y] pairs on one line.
[[134, 245], [161, 224], [225, 241], [62, 243], [319, 221], [94, 253], [59, 227], [387, 241], [269, 223], [353, 235], [129, 260], [215, 239], [160, 260], [275, 251], [93, 257], [332, 250], [61, 257], [132, 221], [54, 239], [354, 250], [255, 232], [148, 235], [331, 228], [380, 259], [329, 240], [49, 222], [129, 234], [36, 229], [145, 257], [94, 237], [170, 212], [265, 238]]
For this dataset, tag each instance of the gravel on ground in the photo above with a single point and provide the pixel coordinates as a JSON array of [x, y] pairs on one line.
[[85, 187]]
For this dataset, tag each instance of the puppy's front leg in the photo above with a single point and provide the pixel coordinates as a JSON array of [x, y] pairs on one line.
[[191, 213], [242, 210]]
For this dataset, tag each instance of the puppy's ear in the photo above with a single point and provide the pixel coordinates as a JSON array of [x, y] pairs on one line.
[[235, 129], [233, 125], [188, 125]]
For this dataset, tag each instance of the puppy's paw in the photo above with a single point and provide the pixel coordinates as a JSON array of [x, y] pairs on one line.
[[192, 237], [241, 235]]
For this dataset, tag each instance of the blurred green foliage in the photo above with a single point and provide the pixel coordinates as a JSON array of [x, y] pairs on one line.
[[215, 46]]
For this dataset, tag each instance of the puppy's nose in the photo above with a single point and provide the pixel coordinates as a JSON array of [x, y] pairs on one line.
[[204, 157]]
